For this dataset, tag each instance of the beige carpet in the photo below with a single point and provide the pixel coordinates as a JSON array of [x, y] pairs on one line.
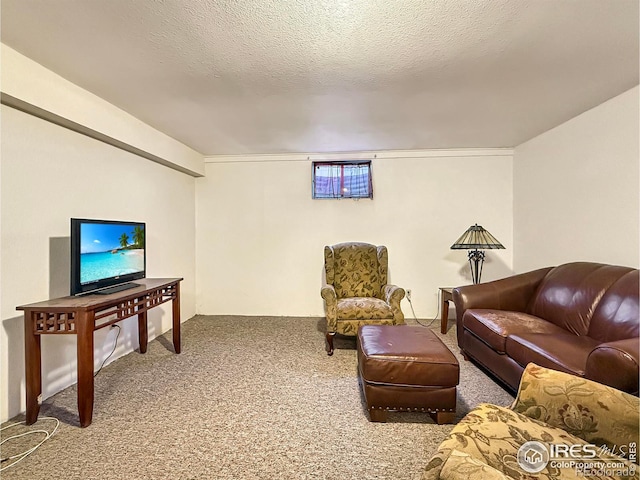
[[249, 398]]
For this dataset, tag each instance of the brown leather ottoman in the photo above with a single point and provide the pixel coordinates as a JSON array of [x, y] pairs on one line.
[[407, 368]]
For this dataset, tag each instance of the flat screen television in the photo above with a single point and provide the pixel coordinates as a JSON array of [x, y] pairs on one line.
[[106, 255]]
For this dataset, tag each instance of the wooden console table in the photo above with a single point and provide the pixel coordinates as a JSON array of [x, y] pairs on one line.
[[446, 297], [81, 316]]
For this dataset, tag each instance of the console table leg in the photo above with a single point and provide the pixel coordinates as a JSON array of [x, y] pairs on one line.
[[84, 328], [143, 333], [175, 304], [33, 368]]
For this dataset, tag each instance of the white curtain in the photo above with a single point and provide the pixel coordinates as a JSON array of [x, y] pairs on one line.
[[342, 180]]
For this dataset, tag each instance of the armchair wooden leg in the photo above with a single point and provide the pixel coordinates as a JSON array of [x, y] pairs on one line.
[[329, 338]]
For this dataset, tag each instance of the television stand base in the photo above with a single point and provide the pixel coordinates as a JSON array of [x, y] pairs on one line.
[[116, 288]]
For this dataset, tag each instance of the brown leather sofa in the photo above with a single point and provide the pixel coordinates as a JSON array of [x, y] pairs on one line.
[[581, 318]]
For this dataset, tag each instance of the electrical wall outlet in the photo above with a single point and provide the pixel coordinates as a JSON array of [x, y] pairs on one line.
[[409, 293]]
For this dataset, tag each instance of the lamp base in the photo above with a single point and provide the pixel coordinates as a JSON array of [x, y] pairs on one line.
[[476, 259]]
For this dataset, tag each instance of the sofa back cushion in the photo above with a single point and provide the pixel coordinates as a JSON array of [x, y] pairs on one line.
[[570, 293], [617, 315]]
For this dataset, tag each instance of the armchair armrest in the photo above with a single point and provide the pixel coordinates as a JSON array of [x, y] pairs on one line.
[[596, 413], [620, 357], [393, 295], [328, 293]]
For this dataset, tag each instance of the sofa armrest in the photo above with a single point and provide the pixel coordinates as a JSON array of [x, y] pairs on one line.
[[596, 413], [328, 293], [621, 357], [393, 295], [513, 293]]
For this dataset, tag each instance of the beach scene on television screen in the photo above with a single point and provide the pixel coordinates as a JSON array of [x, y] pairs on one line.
[[110, 250]]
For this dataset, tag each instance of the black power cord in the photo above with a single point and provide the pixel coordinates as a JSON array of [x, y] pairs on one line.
[[115, 344], [414, 313]]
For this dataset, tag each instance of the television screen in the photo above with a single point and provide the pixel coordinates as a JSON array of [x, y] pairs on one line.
[[105, 253]]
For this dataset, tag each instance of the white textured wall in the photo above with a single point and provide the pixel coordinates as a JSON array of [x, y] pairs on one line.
[[576, 189], [260, 236], [50, 174]]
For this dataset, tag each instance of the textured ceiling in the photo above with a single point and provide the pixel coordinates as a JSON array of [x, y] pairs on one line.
[[269, 76]]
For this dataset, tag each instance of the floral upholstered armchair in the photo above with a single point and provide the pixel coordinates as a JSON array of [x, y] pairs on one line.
[[356, 291], [598, 422]]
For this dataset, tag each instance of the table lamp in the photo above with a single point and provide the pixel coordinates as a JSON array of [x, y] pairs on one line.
[[476, 239]]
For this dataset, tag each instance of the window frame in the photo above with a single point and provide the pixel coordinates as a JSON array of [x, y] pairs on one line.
[[342, 163]]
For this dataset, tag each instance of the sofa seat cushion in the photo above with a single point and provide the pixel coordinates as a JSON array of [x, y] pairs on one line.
[[494, 326], [363, 308], [565, 352]]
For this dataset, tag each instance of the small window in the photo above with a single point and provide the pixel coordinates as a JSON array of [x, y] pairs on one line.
[[342, 179]]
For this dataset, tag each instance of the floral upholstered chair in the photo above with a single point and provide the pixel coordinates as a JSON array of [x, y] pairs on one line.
[[356, 291], [551, 408]]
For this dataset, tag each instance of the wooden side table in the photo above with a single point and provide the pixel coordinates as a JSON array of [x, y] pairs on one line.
[[446, 296]]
